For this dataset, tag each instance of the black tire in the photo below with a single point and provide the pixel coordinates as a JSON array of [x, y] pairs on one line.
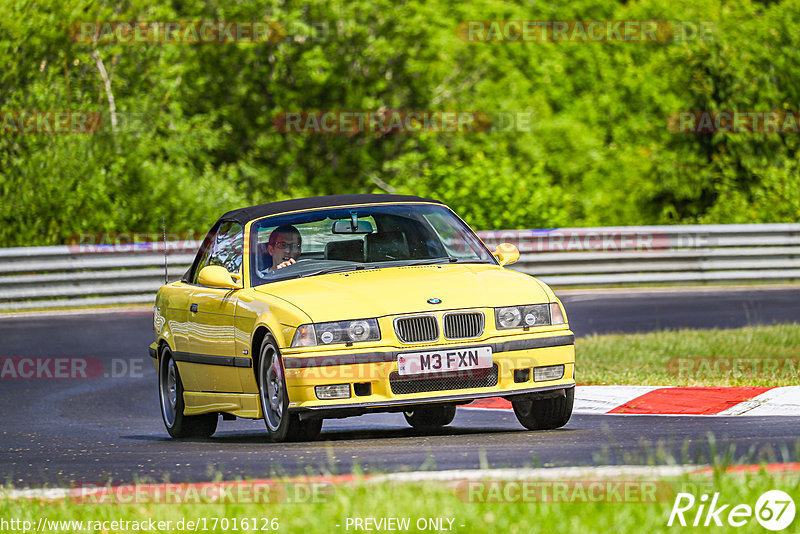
[[282, 425], [431, 416], [545, 414], [306, 430], [170, 393]]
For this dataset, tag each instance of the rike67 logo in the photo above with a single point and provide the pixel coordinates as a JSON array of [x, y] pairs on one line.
[[774, 510]]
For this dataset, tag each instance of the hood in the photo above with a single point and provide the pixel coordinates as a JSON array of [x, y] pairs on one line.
[[402, 290]]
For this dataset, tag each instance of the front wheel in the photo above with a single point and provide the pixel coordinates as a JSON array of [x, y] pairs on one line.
[[545, 414], [429, 417], [282, 425], [170, 389]]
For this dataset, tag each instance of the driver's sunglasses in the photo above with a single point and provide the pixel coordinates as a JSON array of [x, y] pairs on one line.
[[282, 245]]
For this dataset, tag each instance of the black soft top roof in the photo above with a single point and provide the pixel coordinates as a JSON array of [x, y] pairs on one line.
[[245, 215]]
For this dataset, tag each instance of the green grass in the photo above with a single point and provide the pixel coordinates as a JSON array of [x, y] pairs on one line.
[[751, 356], [431, 500], [76, 307]]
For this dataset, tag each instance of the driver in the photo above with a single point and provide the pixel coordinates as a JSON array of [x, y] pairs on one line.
[[284, 246]]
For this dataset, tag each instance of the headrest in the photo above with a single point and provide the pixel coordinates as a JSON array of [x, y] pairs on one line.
[[387, 246]]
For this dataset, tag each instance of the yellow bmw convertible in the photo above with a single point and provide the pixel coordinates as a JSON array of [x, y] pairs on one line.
[[303, 310]]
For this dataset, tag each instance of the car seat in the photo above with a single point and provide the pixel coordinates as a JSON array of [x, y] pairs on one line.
[[348, 250], [387, 246]]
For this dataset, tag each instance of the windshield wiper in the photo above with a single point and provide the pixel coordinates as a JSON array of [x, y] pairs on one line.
[[426, 261], [335, 269], [444, 259]]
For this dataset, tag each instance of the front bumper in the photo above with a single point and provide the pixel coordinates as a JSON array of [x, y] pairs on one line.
[[368, 376]]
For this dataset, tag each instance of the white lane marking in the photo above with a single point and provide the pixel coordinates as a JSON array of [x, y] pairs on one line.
[[143, 309], [545, 473], [597, 399], [777, 401], [36, 493], [636, 292], [602, 399]]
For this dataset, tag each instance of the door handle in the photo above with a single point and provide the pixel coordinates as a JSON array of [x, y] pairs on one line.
[[193, 308]]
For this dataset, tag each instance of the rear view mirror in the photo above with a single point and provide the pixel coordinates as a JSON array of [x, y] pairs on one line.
[[346, 227]]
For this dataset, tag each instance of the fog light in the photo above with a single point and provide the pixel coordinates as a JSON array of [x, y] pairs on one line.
[[551, 372], [336, 391], [522, 375], [362, 389]]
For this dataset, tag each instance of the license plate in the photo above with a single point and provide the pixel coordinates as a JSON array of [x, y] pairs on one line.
[[442, 361]]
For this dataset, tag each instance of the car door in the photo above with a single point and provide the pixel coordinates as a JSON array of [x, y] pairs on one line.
[[211, 355]]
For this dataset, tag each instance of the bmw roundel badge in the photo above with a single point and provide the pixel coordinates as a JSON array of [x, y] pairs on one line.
[[434, 301]]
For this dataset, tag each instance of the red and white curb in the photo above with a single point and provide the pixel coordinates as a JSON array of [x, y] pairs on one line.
[[673, 400]]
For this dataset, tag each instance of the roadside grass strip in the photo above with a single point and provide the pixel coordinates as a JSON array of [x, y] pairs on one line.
[[754, 356], [575, 499]]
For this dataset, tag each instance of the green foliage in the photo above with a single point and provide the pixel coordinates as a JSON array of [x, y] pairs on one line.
[[195, 135]]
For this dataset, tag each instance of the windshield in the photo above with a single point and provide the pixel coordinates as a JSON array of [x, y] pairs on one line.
[[359, 237]]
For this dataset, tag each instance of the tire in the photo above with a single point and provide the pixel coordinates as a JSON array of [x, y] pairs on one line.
[[282, 425], [545, 414], [307, 430], [170, 393], [431, 416]]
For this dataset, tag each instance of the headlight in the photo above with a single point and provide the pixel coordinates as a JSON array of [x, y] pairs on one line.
[[309, 335], [508, 317], [527, 316]]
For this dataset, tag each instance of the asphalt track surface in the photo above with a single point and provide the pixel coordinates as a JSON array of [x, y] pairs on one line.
[[63, 432]]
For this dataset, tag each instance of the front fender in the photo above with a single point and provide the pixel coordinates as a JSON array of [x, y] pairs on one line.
[[258, 310]]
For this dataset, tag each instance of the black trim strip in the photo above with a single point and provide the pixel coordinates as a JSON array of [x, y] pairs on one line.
[[209, 359], [290, 362], [339, 359], [153, 353], [428, 400], [536, 343]]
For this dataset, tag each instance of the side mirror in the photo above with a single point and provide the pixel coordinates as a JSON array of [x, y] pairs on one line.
[[217, 276], [506, 253]]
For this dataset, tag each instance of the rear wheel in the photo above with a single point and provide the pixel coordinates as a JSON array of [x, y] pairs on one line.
[[545, 414], [282, 425], [433, 416], [170, 389]]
